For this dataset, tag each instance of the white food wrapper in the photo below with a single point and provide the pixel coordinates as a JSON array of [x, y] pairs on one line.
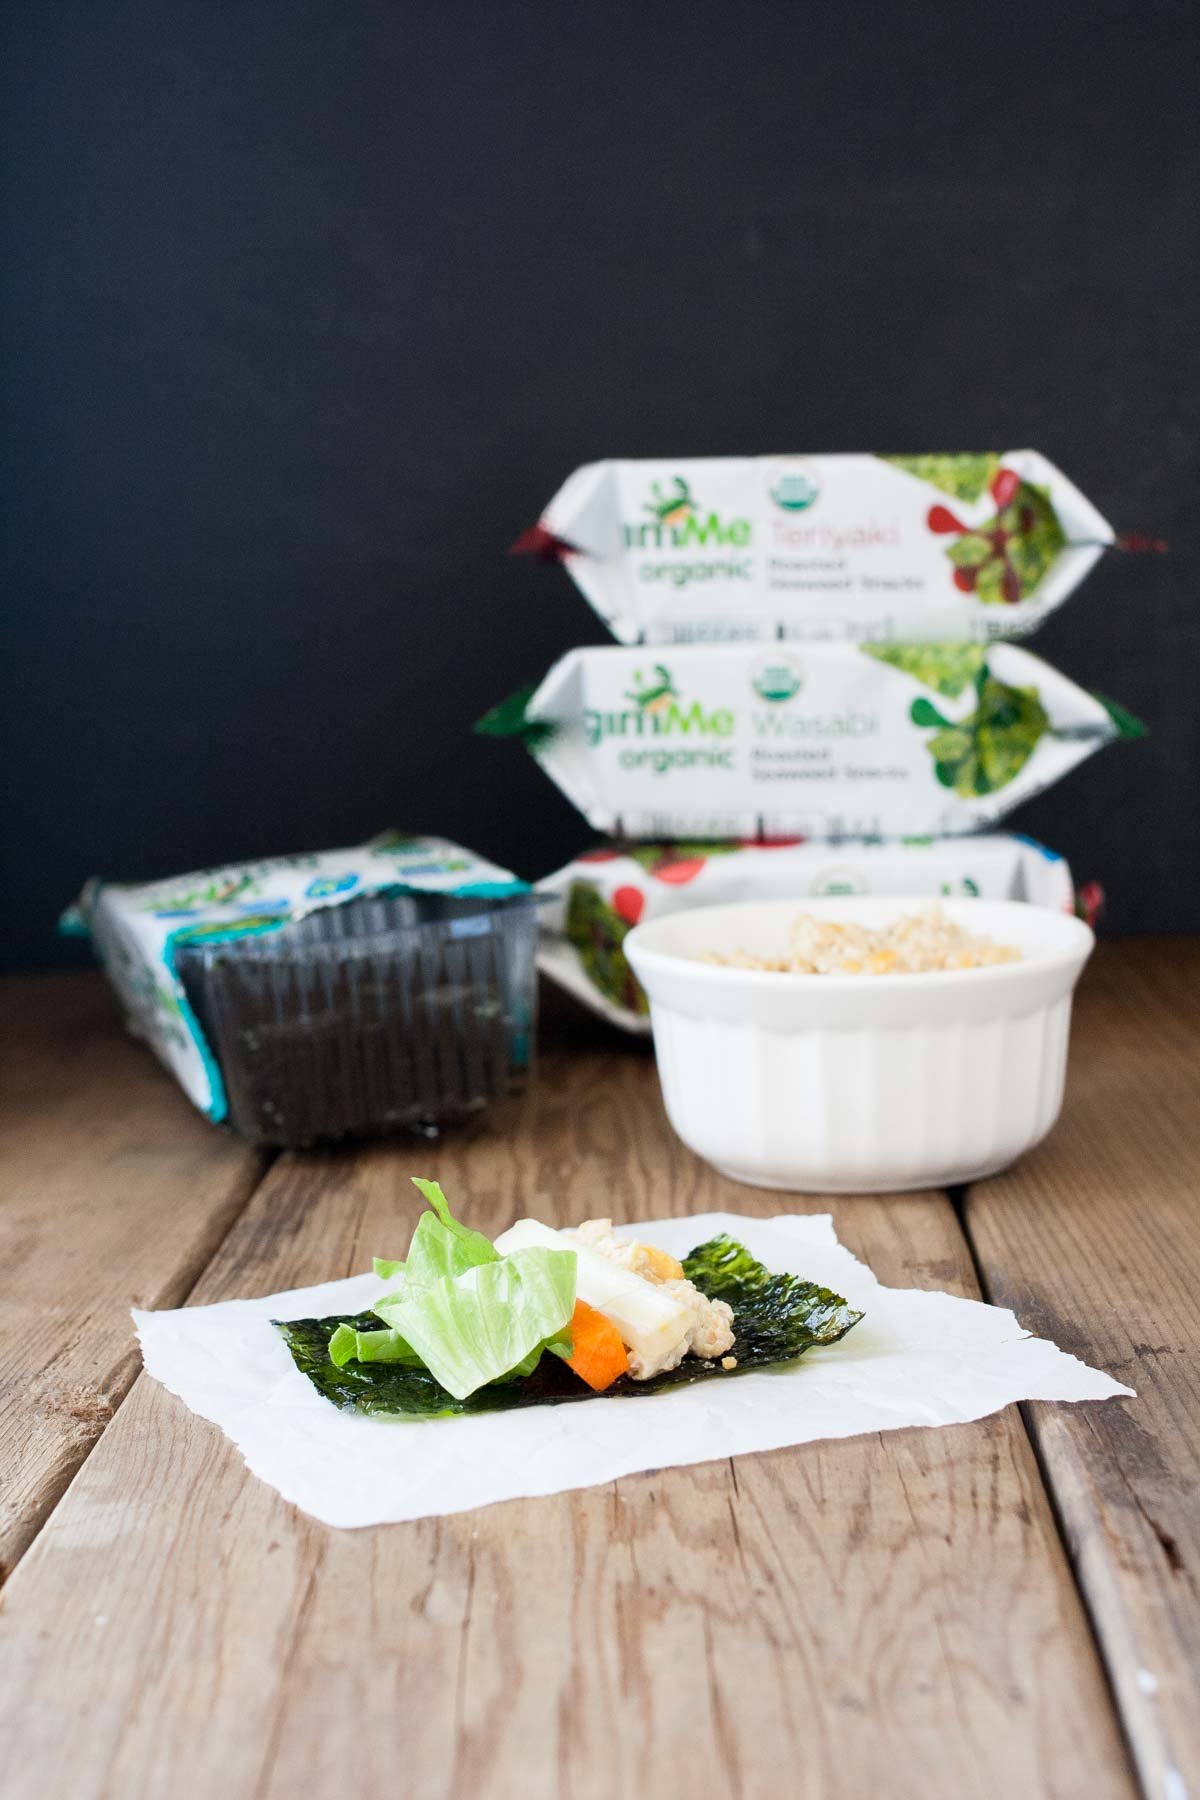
[[818, 741], [590, 905], [917, 1358], [699, 549]]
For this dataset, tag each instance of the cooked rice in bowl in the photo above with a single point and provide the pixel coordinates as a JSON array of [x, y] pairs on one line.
[[917, 943]]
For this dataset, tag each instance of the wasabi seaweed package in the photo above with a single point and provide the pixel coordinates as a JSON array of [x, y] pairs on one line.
[[819, 741], [590, 906], [701, 549]]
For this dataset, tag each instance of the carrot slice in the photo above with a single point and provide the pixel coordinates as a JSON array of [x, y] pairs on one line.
[[597, 1355]]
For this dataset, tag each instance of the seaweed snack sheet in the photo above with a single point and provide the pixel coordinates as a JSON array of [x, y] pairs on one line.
[[916, 1358], [814, 741], [592, 904], [978, 545], [135, 929]]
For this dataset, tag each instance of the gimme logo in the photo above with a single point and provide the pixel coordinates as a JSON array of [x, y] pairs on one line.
[[678, 522], [654, 694], [685, 732]]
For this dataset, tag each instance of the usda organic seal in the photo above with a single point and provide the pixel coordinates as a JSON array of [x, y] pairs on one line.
[[776, 677], [795, 490]]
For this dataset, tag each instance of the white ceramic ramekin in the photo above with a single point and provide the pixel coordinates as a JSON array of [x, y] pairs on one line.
[[859, 1083]]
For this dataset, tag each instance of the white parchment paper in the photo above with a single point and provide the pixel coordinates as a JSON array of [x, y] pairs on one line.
[[917, 1358]]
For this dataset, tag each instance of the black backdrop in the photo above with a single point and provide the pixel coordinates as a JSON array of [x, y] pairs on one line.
[[309, 307]]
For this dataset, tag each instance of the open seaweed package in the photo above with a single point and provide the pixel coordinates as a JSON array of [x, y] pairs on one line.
[[308, 998]]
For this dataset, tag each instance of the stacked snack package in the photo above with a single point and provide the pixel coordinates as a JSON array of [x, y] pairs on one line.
[[813, 690]]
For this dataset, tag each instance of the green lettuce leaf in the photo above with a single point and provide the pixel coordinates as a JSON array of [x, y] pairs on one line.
[[474, 1328], [388, 1346], [473, 1247], [350, 1344], [441, 1247], [437, 1254], [441, 1251], [559, 1345], [776, 1318]]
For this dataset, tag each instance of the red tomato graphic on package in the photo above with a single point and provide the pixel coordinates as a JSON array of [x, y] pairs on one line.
[[629, 904]]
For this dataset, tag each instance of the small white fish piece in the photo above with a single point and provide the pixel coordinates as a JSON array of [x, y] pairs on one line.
[[652, 1324], [661, 1316]]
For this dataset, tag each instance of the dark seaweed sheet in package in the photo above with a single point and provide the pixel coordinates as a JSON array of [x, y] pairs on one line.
[[308, 998]]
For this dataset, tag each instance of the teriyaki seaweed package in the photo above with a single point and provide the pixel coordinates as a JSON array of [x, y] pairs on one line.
[[701, 549], [823, 741], [591, 905]]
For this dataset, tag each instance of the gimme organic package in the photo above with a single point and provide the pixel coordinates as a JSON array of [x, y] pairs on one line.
[[295, 1022], [974, 545], [590, 906], [823, 741]]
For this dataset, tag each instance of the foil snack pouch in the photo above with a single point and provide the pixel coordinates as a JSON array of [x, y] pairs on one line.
[[819, 741], [589, 906], [702, 549]]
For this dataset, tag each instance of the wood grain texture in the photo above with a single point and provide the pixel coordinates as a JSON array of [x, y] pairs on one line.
[[113, 1192], [890, 1614], [1095, 1240]]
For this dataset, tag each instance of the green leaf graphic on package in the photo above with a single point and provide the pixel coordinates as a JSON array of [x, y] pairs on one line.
[[983, 752], [963, 475], [948, 668], [597, 921], [598, 933], [676, 861], [1004, 559], [509, 718]]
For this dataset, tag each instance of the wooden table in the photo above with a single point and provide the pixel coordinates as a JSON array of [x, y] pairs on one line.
[[1009, 1608]]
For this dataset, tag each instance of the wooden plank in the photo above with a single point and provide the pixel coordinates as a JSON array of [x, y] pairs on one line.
[[890, 1614], [1095, 1240], [113, 1192]]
